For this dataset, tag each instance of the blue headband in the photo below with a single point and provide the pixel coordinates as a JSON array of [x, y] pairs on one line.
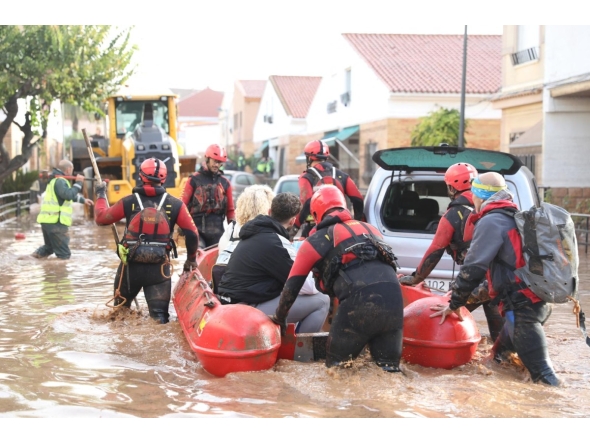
[[482, 191]]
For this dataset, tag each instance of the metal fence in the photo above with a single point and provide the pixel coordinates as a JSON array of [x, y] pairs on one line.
[[582, 223], [12, 205]]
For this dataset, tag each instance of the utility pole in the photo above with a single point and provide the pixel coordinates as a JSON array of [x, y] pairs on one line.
[[462, 115]]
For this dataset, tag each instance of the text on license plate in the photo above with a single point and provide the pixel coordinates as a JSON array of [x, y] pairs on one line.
[[441, 285]]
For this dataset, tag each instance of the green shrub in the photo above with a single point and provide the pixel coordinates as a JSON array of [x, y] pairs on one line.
[[19, 181]]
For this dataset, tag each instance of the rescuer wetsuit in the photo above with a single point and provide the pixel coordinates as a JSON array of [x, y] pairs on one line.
[[449, 238], [209, 199], [496, 247], [309, 179], [370, 310], [153, 278]]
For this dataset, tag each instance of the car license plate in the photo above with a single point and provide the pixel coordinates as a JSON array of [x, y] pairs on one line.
[[441, 285]]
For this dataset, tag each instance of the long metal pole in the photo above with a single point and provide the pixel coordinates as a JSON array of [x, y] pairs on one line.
[[462, 115], [98, 178]]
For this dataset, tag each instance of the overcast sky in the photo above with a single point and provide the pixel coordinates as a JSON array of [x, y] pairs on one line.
[[211, 43], [250, 42]]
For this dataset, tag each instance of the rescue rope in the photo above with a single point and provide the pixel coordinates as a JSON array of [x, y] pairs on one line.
[[171, 269], [207, 292], [118, 293], [576, 310]]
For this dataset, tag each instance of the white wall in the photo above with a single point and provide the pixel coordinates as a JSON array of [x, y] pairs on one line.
[[566, 137], [567, 50], [369, 95], [419, 105], [283, 124]]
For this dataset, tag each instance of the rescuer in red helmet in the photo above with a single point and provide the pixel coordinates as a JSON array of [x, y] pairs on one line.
[[147, 243], [319, 172], [449, 237], [351, 262], [208, 196]]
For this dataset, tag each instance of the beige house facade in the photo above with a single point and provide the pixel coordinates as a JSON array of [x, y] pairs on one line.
[[545, 105]]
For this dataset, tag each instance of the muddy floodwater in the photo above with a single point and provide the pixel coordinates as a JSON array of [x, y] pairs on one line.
[[63, 354]]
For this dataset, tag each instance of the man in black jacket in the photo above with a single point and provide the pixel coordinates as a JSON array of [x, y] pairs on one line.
[[259, 266]]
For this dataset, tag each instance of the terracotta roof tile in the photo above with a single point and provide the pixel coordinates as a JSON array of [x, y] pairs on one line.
[[415, 63], [204, 103], [296, 93], [252, 88]]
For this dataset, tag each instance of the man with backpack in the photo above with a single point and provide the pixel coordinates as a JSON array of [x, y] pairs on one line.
[[351, 262], [495, 252], [449, 238], [321, 172], [209, 198], [150, 214]]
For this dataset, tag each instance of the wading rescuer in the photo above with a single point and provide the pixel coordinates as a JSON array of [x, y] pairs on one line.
[[208, 196], [320, 171], [55, 215], [449, 238], [495, 250], [351, 262], [145, 249]]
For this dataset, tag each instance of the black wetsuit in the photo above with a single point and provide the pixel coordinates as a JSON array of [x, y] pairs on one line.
[[371, 305]]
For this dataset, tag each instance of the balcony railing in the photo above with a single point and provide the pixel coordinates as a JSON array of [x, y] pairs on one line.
[[526, 55]]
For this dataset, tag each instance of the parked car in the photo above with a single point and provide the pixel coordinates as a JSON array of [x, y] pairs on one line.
[[239, 181], [407, 196], [288, 183]]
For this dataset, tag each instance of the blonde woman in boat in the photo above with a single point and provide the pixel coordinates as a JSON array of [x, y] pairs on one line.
[[254, 200]]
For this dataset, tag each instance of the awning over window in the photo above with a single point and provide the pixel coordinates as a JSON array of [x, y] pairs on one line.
[[259, 151], [330, 137], [533, 137]]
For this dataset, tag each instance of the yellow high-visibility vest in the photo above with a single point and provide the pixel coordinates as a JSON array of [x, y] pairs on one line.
[[51, 212]]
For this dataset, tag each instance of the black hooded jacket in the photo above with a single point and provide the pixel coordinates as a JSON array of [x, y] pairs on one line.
[[259, 266]]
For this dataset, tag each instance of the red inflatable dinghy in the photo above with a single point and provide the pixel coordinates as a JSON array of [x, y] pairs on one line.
[[225, 338], [429, 343]]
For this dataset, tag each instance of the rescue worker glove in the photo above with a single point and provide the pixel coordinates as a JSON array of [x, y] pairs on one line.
[[413, 279], [101, 190], [189, 265], [282, 323]]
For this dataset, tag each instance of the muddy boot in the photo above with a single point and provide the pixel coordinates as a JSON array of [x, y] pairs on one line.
[[551, 379], [389, 367]]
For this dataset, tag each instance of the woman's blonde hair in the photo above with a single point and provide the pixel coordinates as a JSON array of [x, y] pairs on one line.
[[254, 200]]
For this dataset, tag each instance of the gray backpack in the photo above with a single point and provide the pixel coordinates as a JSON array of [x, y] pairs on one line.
[[550, 250]]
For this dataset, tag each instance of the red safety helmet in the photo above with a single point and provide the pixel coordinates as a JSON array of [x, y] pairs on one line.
[[317, 150], [460, 175], [216, 152], [325, 198], [153, 170]]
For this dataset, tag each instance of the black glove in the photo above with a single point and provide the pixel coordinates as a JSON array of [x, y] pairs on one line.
[[281, 323], [101, 190], [411, 280], [190, 265]]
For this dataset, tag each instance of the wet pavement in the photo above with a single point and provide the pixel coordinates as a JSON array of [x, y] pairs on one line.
[[63, 353]]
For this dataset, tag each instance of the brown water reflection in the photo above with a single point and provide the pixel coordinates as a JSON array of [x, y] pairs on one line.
[[63, 354]]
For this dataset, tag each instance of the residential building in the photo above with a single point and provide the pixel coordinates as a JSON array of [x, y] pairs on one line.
[[280, 130], [198, 118], [545, 104], [238, 115], [380, 85]]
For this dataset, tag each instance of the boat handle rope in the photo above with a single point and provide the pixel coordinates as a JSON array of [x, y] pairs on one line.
[[207, 292]]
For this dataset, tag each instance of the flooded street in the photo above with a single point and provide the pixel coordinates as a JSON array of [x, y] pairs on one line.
[[63, 354]]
